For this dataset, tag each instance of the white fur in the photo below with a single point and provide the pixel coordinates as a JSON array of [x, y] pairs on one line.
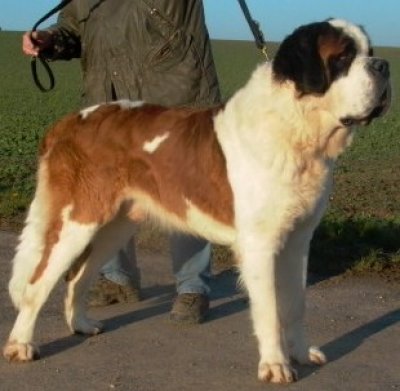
[[207, 227], [128, 104], [88, 110], [30, 248], [248, 148], [276, 212], [358, 83], [152, 145], [287, 146], [123, 103]]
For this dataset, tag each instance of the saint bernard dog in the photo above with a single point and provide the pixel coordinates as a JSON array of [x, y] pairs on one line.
[[254, 174]]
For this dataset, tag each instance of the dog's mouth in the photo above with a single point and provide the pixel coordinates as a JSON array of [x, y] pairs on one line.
[[378, 111]]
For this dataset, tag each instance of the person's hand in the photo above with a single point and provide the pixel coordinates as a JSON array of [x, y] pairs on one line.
[[43, 41]]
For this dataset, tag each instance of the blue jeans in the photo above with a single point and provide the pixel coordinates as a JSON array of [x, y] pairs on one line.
[[190, 264], [122, 268]]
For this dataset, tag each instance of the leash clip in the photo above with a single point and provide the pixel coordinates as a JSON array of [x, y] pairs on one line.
[[255, 29], [264, 51]]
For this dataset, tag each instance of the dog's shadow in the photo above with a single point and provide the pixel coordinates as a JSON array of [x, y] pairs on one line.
[[160, 306], [224, 286]]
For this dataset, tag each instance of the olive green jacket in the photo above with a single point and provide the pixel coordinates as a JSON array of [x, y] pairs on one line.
[[153, 50]]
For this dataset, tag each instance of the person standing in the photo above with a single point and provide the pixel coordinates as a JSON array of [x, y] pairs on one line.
[[158, 52]]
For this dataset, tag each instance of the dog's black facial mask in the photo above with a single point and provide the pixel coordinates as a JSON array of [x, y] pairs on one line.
[[313, 56]]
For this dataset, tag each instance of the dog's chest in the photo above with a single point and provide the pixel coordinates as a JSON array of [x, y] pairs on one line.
[[283, 191]]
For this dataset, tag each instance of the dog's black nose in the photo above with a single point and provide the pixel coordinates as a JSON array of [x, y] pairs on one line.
[[379, 66]]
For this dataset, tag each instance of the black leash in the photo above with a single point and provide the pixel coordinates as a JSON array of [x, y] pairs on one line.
[[255, 29], [42, 60]]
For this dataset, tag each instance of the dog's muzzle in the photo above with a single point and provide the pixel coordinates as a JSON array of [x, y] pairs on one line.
[[379, 70]]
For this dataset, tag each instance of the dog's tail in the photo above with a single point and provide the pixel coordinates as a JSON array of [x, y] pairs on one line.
[[31, 242]]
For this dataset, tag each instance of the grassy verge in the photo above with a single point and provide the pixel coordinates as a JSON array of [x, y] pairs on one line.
[[360, 245]]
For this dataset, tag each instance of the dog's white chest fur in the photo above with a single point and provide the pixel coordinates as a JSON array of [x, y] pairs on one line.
[[273, 183]]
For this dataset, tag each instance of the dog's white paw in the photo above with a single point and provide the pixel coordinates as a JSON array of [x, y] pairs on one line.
[[86, 326], [276, 373], [310, 356], [20, 352], [316, 356]]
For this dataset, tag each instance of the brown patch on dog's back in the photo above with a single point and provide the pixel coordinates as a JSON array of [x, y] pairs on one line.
[[95, 161]]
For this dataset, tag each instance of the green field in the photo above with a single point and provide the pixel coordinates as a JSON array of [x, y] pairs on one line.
[[361, 230]]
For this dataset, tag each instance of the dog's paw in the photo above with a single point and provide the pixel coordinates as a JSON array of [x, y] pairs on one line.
[[311, 356], [86, 326], [276, 373], [20, 352], [316, 356]]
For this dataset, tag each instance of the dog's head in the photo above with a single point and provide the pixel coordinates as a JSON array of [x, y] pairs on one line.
[[333, 61]]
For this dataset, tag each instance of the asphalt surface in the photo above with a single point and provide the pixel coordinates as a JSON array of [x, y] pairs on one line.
[[355, 320]]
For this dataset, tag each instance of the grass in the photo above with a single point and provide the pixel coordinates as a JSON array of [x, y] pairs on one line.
[[361, 229], [25, 113]]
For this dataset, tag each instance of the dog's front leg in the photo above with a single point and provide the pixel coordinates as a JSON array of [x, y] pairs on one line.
[[291, 281], [258, 269]]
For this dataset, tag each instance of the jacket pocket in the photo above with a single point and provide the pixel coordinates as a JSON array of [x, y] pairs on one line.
[[173, 76], [172, 70]]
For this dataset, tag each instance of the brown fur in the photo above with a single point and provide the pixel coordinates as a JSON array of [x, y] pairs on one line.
[[95, 162]]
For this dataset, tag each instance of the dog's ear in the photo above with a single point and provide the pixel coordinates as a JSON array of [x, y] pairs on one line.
[[299, 59]]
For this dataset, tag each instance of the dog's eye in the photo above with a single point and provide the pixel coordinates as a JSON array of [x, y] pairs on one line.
[[342, 58]]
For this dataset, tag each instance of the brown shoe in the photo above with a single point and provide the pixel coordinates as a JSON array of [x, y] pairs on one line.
[[105, 292], [189, 308]]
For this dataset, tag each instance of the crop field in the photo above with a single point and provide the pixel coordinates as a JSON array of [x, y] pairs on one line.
[[361, 229]]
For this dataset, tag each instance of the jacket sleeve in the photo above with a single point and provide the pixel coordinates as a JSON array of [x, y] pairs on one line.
[[66, 35]]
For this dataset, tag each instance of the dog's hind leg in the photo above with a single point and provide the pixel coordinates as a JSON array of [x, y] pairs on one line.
[[31, 242], [107, 242], [64, 240]]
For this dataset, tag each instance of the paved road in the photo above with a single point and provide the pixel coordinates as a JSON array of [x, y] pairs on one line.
[[356, 321]]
